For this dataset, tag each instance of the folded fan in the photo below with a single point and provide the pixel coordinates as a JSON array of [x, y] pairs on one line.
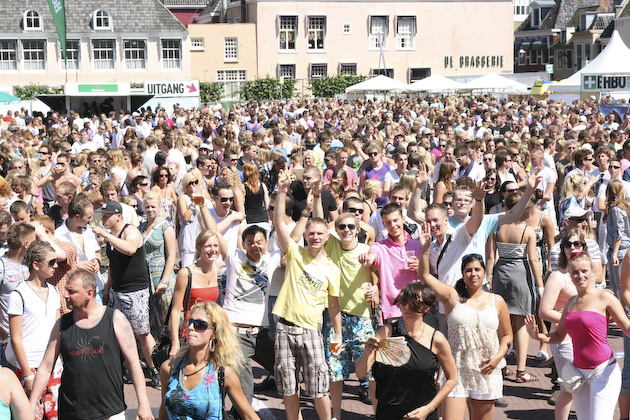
[[393, 351]]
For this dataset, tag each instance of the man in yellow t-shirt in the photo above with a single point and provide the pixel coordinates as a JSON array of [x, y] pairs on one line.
[[311, 279]]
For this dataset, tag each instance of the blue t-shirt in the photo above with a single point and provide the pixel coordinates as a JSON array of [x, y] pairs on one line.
[[202, 402], [477, 245]]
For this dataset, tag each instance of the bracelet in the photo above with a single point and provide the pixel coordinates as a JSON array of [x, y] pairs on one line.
[[317, 196], [29, 377], [541, 288], [306, 214], [479, 201], [282, 191]]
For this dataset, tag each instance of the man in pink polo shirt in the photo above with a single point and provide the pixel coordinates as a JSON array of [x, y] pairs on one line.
[[396, 258]]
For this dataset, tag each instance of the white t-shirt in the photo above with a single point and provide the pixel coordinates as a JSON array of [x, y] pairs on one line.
[[548, 176], [78, 147], [38, 320], [392, 177], [376, 221], [247, 286]]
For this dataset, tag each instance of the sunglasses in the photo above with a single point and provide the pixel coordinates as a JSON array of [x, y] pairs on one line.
[[574, 244], [373, 154], [578, 219], [199, 324], [447, 203], [360, 211], [226, 199], [441, 145], [615, 167], [52, 262], [142, 185], [195, 182], [511, 190], [343, 226], [163, 175], [271, 208]]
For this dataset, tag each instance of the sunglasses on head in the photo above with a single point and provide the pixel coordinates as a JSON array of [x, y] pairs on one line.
[[579, 254], [199, 324], [226, 199], [343, 226]]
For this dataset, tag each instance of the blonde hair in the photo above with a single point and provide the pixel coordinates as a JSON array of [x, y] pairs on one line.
[[227, 349], [370, 187], [117, 158]]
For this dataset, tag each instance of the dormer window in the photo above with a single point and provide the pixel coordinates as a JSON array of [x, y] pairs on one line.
[[540, 10], [586, 20], [101, 20], [32, 21]]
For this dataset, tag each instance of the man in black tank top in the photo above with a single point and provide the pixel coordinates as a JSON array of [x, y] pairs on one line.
[[127, 287], [93, 341]]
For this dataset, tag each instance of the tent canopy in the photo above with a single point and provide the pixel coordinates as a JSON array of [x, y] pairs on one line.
[[494, 82], [378, 84], [614, 58], [7, 99], [434, 83]]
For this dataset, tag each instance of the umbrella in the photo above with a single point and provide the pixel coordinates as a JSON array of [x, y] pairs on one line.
[[6, 99]]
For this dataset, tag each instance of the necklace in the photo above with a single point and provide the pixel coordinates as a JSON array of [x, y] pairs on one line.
[[424, 324], [194, 373]]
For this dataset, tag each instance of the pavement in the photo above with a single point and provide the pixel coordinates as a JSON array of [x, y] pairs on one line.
[[526, 400]]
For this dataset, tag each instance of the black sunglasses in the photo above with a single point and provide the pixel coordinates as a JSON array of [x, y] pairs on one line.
[[373, 154], [52, 262], [343, 226], [360, 211], [199, 324], [575, 244], [511, 190], [226, 199], [448, 203], [195, 182], [271, 208]]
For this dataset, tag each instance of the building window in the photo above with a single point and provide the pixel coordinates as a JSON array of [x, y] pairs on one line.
[[135, 51], [587, 53], [288, 32], [532, 57], [578, 56], [287, 71], [405, 32], [568, 60], [34, 54], [345, 68], [171, 54], [73, 48], [197, 44], [101, 20], [416, 74], [520, 7], [347, 29], [232, 80], [103, 54], [316, 33], [385, 72], [545, 55], [230, 49], [379, 29], [559, 60], [318, 71], [8, 55], [32, 21]]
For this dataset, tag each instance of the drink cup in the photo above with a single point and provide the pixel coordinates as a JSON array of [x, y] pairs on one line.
[[335, 341], [365, 287], [412, 263]]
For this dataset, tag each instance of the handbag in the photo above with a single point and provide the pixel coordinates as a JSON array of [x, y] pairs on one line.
[[572, 378], [227, 415], [162, 348]]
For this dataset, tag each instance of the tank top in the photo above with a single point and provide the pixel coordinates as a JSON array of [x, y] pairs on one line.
[[255, 211], [201, 402], [5, 410], [403, 389], [378, 174], [128, 273], [567, 291], [588, 330], [91, 383]]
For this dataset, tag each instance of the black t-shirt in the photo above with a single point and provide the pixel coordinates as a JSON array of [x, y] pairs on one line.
[[299, 200], [55, 214]]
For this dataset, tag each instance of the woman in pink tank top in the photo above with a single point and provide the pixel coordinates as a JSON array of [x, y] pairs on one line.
[[585, 319], [558, 290]]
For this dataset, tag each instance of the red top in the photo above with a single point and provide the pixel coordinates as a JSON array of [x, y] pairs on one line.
[[200, 294]]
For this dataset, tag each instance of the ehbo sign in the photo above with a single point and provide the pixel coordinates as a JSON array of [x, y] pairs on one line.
[[599, 82]]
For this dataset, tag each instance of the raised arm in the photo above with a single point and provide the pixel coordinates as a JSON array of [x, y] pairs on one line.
[[479, 195], [414, 210], [444, 293], [281, 227], [516, 212]]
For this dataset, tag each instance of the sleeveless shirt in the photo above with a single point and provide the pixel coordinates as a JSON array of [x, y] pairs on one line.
[[255, 211], [128, 272], [201, 402], [91, 382], [400, 390]]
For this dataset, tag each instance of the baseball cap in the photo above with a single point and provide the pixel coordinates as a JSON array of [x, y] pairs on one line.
[[110, 207], [582, 118], [425, 131], [576, 211], [205, 146]]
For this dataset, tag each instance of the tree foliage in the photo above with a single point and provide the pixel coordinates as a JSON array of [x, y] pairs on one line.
[[29, 92], [267, 88], [326, 87], [210, 91]]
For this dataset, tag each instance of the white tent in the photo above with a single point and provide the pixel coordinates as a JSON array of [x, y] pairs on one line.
[[434, 83], [614, 58], [379, 83], [494, 83]]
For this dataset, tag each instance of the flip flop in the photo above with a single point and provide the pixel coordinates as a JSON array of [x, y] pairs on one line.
[[520, 377]]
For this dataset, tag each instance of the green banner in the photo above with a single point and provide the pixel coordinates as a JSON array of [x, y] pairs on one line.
[[58, 10], [98, 88]]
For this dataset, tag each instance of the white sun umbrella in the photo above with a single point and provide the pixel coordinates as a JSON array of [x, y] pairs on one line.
[[494, 83], [379, 83], [435, 83]]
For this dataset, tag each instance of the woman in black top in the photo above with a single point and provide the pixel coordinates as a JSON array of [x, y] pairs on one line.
[[409, 391], [256, 197], [494, 197]]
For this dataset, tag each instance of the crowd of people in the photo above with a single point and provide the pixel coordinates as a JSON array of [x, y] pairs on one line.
[[309, 236]]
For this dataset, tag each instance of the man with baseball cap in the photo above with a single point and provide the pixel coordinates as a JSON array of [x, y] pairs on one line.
[[127, 286]]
